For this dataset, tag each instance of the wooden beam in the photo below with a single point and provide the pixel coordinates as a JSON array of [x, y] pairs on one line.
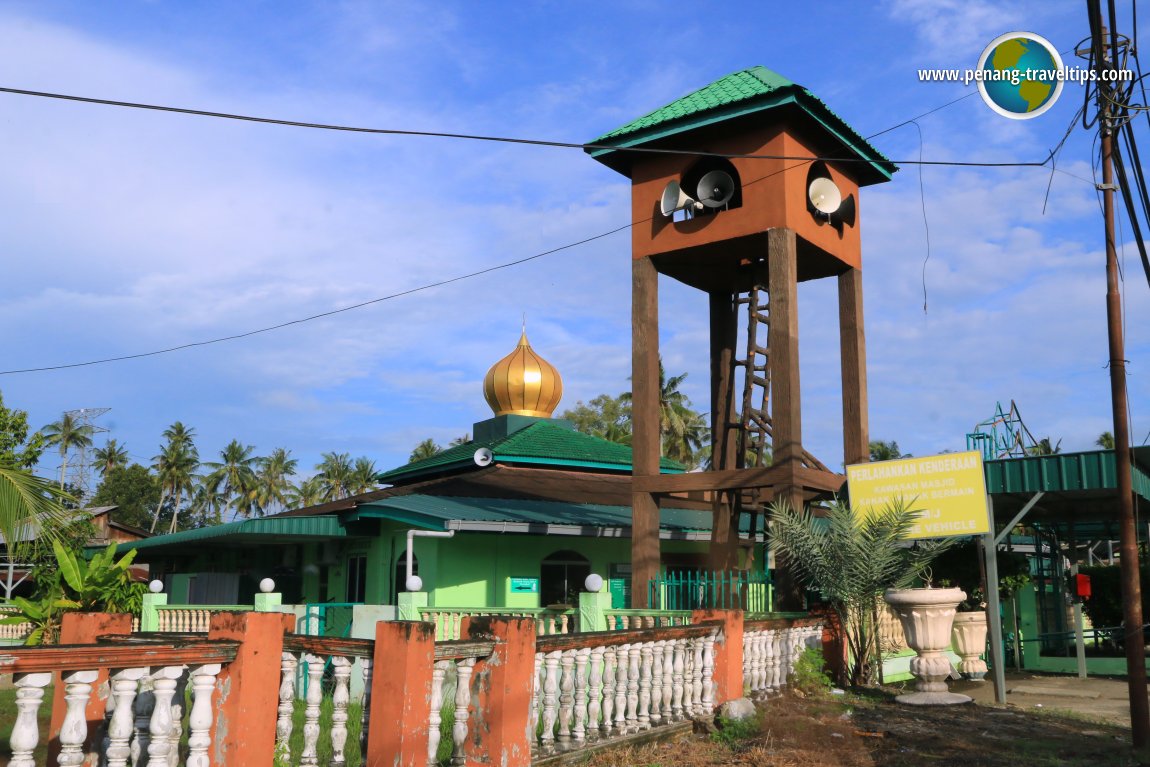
[[782, 285], [852, 343], [645, 438], [787, 474], [724, 445]]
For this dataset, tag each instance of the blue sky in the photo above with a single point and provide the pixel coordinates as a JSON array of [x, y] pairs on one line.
[[126, 231]]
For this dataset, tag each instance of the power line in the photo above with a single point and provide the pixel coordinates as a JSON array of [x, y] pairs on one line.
[[502, 139], [440, 283], [341, 310]]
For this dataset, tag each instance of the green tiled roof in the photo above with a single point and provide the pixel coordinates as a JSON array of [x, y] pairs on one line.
[[542, 443], [435, 511], [740, 93]]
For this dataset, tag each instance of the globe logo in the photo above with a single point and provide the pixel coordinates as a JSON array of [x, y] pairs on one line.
[[1020, 75]]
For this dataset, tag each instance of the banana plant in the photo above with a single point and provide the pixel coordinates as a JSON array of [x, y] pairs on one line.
[[102, 584]]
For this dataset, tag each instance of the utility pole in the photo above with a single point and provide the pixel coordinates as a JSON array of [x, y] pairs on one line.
[[1105, 56]]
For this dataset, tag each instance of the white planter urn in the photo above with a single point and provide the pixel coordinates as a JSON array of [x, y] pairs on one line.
[[926, 616], [969, 635]]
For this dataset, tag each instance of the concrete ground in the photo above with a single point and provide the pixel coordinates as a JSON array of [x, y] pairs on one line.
[[1102, 698]]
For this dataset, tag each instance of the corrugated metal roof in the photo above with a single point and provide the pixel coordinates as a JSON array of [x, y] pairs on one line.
[[739, 93], [1060, 473], [542, 443], [272, 527], [436, 511]]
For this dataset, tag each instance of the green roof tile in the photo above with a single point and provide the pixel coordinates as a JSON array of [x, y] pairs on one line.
[[542, 443], [740, 93]]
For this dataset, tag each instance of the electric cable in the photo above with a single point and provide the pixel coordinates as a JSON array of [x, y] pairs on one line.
[[440, 283], [499, 139]]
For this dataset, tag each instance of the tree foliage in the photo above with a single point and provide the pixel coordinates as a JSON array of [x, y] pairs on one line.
[[31, 511], [851, 558], [604, 416], [425, 449], [17, 449], [135, 492]]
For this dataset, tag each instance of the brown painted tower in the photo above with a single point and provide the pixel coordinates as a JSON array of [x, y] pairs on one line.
[[758, 191]]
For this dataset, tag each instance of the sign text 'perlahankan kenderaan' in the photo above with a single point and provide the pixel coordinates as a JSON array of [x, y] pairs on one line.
[[949, 489]]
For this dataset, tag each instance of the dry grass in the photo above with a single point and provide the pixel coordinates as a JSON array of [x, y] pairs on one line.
[[873, 731]]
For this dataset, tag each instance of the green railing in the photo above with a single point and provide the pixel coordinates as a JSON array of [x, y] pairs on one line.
[[714, 589]]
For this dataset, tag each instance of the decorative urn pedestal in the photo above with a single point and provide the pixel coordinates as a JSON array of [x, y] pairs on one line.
[[969, 635], [926, 616]]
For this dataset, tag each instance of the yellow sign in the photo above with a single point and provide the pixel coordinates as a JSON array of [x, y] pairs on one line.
[[950, 489]]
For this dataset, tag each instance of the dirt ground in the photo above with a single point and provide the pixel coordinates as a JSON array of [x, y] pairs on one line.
[[873, 731]]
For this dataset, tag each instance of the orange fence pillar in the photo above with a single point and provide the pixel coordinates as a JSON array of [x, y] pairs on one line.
[[85, 628], [244, 730], [728, 674], [400, 694], [502, 684]]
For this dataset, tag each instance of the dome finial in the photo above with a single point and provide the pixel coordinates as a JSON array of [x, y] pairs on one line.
[[523, 383]]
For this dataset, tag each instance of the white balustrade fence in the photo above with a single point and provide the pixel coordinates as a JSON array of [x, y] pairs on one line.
[[770, 650], [146, 718], [597, 686], [448, 620], [624, 620], [190, 619]]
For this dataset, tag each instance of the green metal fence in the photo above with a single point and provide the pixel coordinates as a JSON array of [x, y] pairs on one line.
[[716, 589]]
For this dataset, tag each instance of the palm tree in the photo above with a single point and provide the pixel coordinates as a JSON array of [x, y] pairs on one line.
[[112, 455], [176, 467], [363, 476], [234, 476], [461, 440], [1105, 440], [424, 450], [1044, 447], [335, 472], [27, 500], [66, 434], [679, 425], [206, 503], [272, 483], [307, 493]]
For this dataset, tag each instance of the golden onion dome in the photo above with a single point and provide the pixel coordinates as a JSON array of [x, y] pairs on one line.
[[523, 383]]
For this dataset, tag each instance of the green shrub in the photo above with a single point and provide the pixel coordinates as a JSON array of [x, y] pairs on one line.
[[810, 675], [732, 732]]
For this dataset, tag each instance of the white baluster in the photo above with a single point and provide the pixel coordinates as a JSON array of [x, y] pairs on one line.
[[550, 698], [748, 661], [678, 677], [566, 698], [145, 704], [646, 665], [595, 692], [160, 725], [762, 645], [708, 674], [463, 669], [436, 718], [622, 666], [26, 731], [668, 678], [200, 719], [582, 658], [340, 697], [309, 756], [633, 653], [124, 684], [697, 676], [536, 691], [656, 683], [773, 645], [177, 732], [73, 731], [286, 708], [365, 717], [608, 690]]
